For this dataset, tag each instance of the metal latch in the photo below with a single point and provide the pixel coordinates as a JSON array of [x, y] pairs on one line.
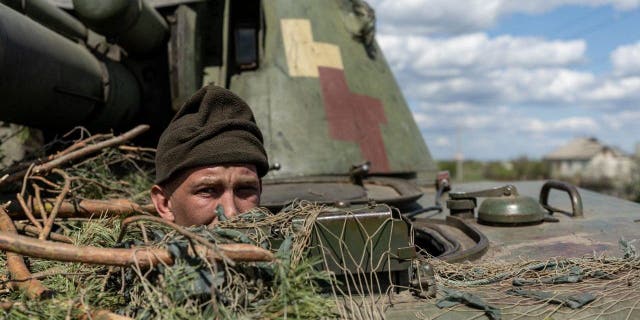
[[503, 205], [463, 204], [422, 279]]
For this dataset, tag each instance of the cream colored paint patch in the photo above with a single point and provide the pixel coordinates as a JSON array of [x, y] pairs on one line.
[[304, 55]]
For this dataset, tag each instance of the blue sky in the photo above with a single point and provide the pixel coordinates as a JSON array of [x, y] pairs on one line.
[[515, 78]]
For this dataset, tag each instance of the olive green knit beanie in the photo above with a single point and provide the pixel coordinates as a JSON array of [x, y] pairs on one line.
[[214, 127]]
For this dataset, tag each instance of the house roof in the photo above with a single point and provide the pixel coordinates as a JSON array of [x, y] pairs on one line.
[[578, 149]]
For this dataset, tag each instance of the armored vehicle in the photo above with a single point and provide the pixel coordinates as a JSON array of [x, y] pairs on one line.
[[337, 131]]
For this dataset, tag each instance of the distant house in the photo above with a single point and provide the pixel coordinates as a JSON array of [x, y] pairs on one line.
[[588, 158]]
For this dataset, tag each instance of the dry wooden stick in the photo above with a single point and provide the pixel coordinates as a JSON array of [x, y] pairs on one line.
[[80, 153], [77, 145], [56, 207], [91, 149], [22, 166], [33, 231], [39, 203], [136, 149], [56, 271], [45, 181], [6, 305], [27, 211], [24, 179], [142, 256], [104, 315], [33, 288], [87, 208]]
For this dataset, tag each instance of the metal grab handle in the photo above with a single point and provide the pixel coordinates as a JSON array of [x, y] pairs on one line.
[[576, 200], [504, 191]]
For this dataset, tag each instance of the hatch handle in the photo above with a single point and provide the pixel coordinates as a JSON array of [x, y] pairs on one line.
[[359, 172], [576, 200], [504, 191]]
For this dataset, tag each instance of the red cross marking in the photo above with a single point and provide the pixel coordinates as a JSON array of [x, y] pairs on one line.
[[354, 117]]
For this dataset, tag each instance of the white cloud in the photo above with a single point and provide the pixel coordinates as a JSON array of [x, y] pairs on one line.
[[504, 86], [612, 90], [435, 121], [459, 78], [455, 17], [447, 108], [572, 124], [436, 16], [502, 133], [477, 69], [626, 59], [442, 141], [423, 120], [475, 118], [510, 121], [476, 52], [511, 6], [624, 119], [541, 85]]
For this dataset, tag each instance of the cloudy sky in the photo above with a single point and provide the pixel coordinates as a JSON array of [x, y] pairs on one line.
[[515, 77]]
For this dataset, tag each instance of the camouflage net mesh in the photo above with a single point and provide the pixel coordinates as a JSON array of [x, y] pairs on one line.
[[367, 295], [301, 283], [589, 287], [296, 285]]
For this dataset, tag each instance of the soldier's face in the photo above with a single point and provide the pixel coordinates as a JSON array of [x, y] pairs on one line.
[[193, 197]]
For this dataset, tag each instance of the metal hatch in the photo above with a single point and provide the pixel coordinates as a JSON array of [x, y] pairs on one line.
[[339, 190]]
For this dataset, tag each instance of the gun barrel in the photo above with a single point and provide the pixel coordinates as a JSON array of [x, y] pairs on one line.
[[50, 16], [133, 24], [49, 81]]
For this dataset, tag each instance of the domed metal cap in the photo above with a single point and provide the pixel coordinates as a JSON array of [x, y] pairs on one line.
[[510, 210]]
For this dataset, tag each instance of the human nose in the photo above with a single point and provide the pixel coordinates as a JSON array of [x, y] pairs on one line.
[[229, 204]]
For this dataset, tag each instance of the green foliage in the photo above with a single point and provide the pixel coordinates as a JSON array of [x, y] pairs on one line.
[[193, 287], [190, 289], [77, 288], [527, 169], [114, 174], [295, 293], [473, 170], [498, 171], [448, 165], [520, 168]]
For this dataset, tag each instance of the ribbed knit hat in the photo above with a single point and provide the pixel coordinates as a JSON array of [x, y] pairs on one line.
[[214, 127]]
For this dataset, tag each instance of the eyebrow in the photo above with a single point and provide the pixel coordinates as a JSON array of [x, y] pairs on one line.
[[208, 181], [242, 180]]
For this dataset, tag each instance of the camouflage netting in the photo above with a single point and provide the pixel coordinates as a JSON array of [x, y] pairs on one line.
[[192, 287], [294, 285], [596, 286]]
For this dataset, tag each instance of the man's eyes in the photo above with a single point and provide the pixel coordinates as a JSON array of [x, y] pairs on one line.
[[207, 191], [242, 191], [247, 190]]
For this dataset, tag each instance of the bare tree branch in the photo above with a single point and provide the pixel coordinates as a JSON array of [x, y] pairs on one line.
[[80, 153], [33, 288], [142, 256]]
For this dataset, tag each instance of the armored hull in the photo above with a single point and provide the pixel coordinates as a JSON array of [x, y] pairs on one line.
[[337, 130]]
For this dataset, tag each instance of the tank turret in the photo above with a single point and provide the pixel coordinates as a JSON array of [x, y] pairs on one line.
[[337, 131], [319, 86]]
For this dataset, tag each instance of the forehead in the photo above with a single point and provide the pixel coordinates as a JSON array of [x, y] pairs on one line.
[[226, 172]]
